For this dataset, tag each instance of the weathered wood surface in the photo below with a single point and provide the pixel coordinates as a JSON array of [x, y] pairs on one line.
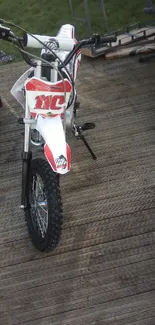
[[132, 37], [103, 271], [135, 49]]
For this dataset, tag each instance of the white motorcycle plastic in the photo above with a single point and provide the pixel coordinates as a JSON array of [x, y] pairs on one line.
[[47, 93], [47, 98]]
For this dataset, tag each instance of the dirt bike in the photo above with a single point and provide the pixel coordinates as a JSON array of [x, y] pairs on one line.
[[47, 93]]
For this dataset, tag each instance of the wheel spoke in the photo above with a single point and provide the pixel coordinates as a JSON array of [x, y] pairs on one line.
[[42, 224], [44, 215], [38, 204]]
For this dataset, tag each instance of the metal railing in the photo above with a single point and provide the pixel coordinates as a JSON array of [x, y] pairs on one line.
[[87, 18], [149, 8]]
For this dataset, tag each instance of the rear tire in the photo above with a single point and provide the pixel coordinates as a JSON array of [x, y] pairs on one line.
[[44, 199]]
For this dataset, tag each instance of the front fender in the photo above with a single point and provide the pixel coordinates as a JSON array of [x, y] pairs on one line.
[[56, 150]]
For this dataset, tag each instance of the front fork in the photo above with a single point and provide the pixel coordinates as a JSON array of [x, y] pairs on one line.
[[26, 166], [27, 154], [26, 161]]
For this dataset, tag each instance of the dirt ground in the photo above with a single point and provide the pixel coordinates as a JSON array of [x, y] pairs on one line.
[[103, 272]]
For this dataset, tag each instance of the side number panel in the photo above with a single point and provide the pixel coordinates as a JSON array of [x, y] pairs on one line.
[[47, 98], [49, 102]]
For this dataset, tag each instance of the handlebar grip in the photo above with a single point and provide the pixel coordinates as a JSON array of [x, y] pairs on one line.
[[4, 32], [108, 39]]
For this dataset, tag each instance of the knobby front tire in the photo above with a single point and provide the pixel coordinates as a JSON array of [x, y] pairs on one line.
[[44, 214]]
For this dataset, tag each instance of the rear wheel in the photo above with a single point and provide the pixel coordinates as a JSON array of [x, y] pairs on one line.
[[44, 214]]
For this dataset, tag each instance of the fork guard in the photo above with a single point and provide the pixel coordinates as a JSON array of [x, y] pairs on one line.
[[56, 150]]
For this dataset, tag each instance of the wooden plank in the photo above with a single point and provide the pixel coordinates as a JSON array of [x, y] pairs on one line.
[[141, 47], [130, 51], [87, 51], [89, 312], [134, 35], [103, 270]]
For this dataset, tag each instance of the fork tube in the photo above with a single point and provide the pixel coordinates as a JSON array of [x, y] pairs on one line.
[[26, 162], [37, 70], [54, 72]]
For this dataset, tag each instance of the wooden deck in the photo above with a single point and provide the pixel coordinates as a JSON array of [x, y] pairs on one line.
[[103, 272]]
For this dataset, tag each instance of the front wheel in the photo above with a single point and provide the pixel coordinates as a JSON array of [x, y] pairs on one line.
[[44, 213]]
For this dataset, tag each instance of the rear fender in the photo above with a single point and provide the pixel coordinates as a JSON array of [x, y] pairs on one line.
[[56, 150]]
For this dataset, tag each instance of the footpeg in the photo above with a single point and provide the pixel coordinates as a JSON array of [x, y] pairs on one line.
[[87, 126]]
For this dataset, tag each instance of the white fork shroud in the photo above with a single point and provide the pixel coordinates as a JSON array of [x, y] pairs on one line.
[[56, 149]]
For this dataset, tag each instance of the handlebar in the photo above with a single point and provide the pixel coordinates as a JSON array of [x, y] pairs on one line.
[[65, 44], [40, 41], [36, 41], [98, 40]]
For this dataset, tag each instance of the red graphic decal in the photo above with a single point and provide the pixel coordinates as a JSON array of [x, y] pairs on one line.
[[49, 102], [57, 101], [39, 85], [61, 162], [33, 115], [49, 156], [40, 101]]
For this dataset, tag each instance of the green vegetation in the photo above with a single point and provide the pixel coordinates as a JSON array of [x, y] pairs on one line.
[[46, 16]]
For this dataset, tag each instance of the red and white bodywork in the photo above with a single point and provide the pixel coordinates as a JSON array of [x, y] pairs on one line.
[[45, 102]]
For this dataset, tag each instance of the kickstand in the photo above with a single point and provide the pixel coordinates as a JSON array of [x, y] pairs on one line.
[[78, 134]]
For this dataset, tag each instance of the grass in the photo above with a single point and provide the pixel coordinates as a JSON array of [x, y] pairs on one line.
[[47, 16]]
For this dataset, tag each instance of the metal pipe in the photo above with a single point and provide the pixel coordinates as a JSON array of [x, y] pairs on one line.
[[105, 16], [88, 16], [73, 14], [149, 3]]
